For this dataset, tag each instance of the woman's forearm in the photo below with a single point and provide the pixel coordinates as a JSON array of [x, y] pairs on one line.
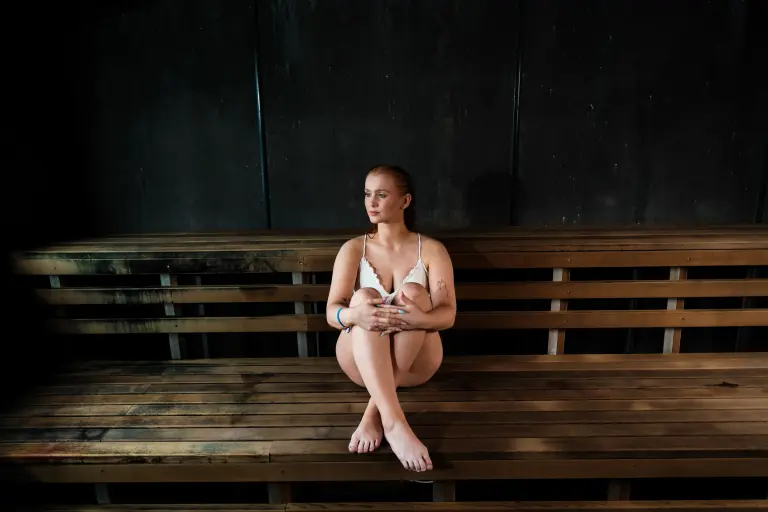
[[347, 316], [440, 318]]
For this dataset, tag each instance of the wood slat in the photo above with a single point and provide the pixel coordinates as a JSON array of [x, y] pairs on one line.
[[426, 432], [377, 470], [351, 420], [160, 452], [538, 448], [474, 407], [280, 374], [539, 506], [321, 260], [417, 419], [444, 385], [464, 291], [486, 506], [405, 396], [488, 320], [711, 357], [492, 363]]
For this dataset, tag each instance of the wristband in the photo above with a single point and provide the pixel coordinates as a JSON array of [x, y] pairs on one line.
[[338, 318]]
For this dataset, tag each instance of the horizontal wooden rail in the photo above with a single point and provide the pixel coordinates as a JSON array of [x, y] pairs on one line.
[[492, 320], [464, 291], [321, 260]]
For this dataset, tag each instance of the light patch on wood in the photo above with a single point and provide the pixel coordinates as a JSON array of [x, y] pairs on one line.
[[556, 341]]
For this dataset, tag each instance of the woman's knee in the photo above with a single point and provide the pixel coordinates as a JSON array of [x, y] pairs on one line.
[[416, 293], [362, 295]]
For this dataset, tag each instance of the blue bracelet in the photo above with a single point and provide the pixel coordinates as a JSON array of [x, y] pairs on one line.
[[338, 318]]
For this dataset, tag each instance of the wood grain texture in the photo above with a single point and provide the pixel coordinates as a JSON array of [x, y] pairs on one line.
[[569, 416], [464, 291], [518, 506], [471, 321]]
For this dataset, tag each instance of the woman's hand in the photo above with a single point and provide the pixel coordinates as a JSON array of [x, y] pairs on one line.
[[371, 315], [408, 317]]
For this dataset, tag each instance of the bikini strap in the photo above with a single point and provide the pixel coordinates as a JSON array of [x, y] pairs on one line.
[[419, 245]]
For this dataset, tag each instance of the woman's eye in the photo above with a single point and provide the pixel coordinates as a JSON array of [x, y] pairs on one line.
[[382, 196]]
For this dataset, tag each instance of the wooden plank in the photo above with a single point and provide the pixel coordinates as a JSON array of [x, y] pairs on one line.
[[281, 374], [136, 453], [464, 291], [191, 264], [610, 319], [165, 507], [556, 341], [408, 407], [448, 431], [446, 384], [70, 410], [686, 418], [485, 320], [362, 396], [321, 260], [331, 361], [501, 363], [538, 448], [484, 506], [379, 470], [540, 506], [187, 294], [672, 336]]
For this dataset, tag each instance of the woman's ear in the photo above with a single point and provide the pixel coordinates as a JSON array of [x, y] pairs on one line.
[[407, 201]]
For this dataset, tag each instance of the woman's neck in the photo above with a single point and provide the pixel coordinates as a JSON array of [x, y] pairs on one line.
[[392, 235]]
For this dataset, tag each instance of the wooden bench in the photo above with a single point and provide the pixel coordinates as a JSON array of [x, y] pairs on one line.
[[545, 414]]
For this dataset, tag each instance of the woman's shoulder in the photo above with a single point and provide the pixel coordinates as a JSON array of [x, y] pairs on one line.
[[432, 246], [353, 245]]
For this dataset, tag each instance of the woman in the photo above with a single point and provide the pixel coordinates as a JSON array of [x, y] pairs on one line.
[[389, 326]]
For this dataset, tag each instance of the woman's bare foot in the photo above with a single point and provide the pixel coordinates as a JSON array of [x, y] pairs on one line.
[[369, 433], [407, 447]]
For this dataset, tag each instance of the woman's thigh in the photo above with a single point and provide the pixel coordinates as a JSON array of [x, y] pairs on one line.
[[425, 365]]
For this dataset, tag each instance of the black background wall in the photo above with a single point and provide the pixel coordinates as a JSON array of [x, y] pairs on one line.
[[506, 112]]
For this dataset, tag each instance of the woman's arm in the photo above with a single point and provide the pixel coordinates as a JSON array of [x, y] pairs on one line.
[[441, 288], [343, 283]]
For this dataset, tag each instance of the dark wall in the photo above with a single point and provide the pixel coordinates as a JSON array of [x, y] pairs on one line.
[[171, 115], [630, 112]]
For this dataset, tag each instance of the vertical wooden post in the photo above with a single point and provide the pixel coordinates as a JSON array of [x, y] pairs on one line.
[[55, 282], [672, 335], [279, 493], [299, 309], [102, 494], [444, 491], [556, 343], [315, 310], [201, 312], [170, 310], [619, 490]]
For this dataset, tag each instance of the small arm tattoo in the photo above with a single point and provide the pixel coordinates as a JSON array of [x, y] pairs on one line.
[[441, 284]]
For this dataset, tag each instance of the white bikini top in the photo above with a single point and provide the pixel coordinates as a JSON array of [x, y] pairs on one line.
[[370, 279]]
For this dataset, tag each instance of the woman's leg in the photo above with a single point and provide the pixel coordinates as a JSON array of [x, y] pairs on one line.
[[417, 354], [367, 358]]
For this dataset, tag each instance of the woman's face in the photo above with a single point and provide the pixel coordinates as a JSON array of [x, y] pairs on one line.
[[383, 200]]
